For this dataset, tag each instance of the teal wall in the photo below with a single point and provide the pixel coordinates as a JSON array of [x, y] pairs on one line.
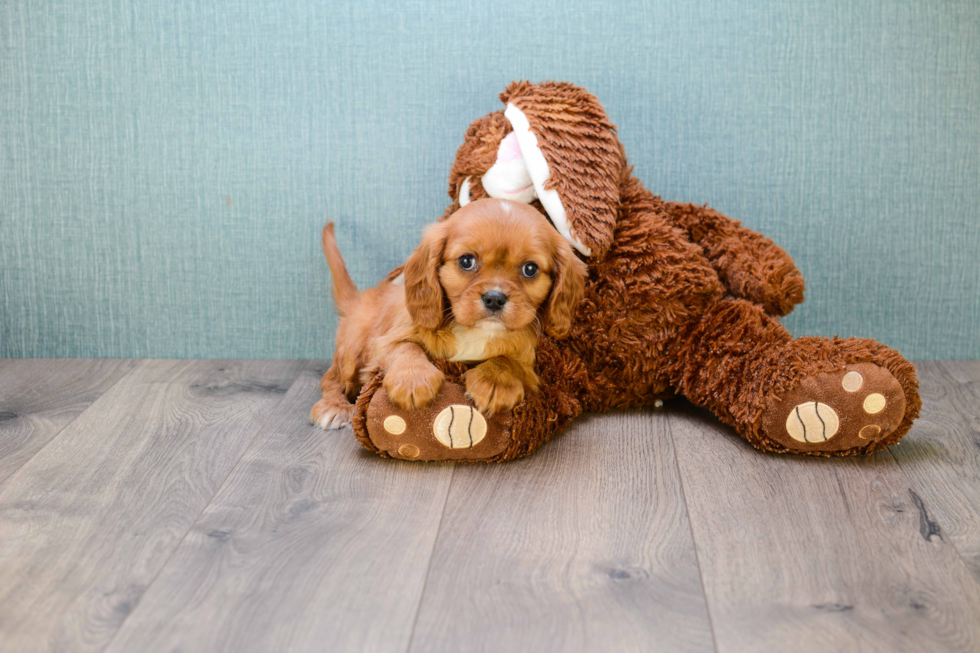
[[166, 167]]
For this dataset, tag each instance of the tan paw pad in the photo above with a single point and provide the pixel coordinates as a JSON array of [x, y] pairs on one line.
[[408, 451], [459, 427], [852, 381], [869, 432], [395, 425], [874, 403], [812, 421]]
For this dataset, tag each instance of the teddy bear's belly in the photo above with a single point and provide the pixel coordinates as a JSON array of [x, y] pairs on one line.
[[651, 286]]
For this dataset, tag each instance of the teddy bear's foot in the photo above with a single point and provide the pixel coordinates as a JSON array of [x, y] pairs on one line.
[[449, 428], [846, 411]]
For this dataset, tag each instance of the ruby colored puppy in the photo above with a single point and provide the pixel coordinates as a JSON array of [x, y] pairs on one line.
[[479, 289]]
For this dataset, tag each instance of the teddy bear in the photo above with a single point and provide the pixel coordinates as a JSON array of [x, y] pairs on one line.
[[679, 300]]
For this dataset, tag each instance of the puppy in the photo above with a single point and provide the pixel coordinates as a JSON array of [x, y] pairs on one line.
[[479, 288]]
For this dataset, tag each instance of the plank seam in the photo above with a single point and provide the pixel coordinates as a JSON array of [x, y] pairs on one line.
[[428, 567], [690, 528]]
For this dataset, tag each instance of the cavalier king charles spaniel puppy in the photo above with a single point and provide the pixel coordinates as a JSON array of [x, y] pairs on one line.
[[479, 289]]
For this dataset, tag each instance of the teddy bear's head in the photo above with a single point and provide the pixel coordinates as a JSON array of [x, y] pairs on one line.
[[554, 147]]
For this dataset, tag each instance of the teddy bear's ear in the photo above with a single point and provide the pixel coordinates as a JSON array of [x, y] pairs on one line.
[[473, 158], [573, 156]]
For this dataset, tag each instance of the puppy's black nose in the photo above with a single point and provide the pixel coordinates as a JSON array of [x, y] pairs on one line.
[[494, 300]]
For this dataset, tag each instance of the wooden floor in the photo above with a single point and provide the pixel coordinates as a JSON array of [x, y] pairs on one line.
[[189, 505]]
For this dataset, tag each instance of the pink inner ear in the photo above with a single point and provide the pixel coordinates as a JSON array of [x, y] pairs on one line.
[[509, 149]]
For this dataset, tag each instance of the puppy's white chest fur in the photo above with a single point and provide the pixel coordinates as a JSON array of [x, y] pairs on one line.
[[471, 343]]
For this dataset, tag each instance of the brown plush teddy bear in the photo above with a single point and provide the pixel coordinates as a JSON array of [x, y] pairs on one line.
[[679, 300]]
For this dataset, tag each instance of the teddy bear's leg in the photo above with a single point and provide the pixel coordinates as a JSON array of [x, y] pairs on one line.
[[822, 396], [451, 428]]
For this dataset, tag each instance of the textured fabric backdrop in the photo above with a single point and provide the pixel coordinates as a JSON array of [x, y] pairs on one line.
[[166, 167]]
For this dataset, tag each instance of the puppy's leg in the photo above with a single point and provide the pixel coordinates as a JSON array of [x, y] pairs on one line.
[[411, 380], [498, 384], [333, 411]]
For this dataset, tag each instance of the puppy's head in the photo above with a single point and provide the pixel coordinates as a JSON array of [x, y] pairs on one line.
[[497, 265]]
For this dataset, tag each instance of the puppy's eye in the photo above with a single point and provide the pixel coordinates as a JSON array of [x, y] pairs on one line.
[[530, 270], [467, 262]]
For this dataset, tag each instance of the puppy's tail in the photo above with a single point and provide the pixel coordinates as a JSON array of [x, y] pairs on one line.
[[344, 290]]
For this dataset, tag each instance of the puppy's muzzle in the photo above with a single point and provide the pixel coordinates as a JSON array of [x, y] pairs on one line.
[[494, 300]]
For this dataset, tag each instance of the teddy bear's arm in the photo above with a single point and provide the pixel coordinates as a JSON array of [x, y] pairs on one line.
[[750, 265]]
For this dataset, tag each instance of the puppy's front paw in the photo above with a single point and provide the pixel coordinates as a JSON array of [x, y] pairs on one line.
[[413, 387], [331, 415], [493, 392]]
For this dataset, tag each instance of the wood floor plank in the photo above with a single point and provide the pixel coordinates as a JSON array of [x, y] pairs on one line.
[[40, 396], [812, 554], [312, 544], [942, 454], [88, 522], [584, 546]]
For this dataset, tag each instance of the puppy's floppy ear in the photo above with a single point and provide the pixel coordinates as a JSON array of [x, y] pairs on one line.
[[567, 289], [423, 291]]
